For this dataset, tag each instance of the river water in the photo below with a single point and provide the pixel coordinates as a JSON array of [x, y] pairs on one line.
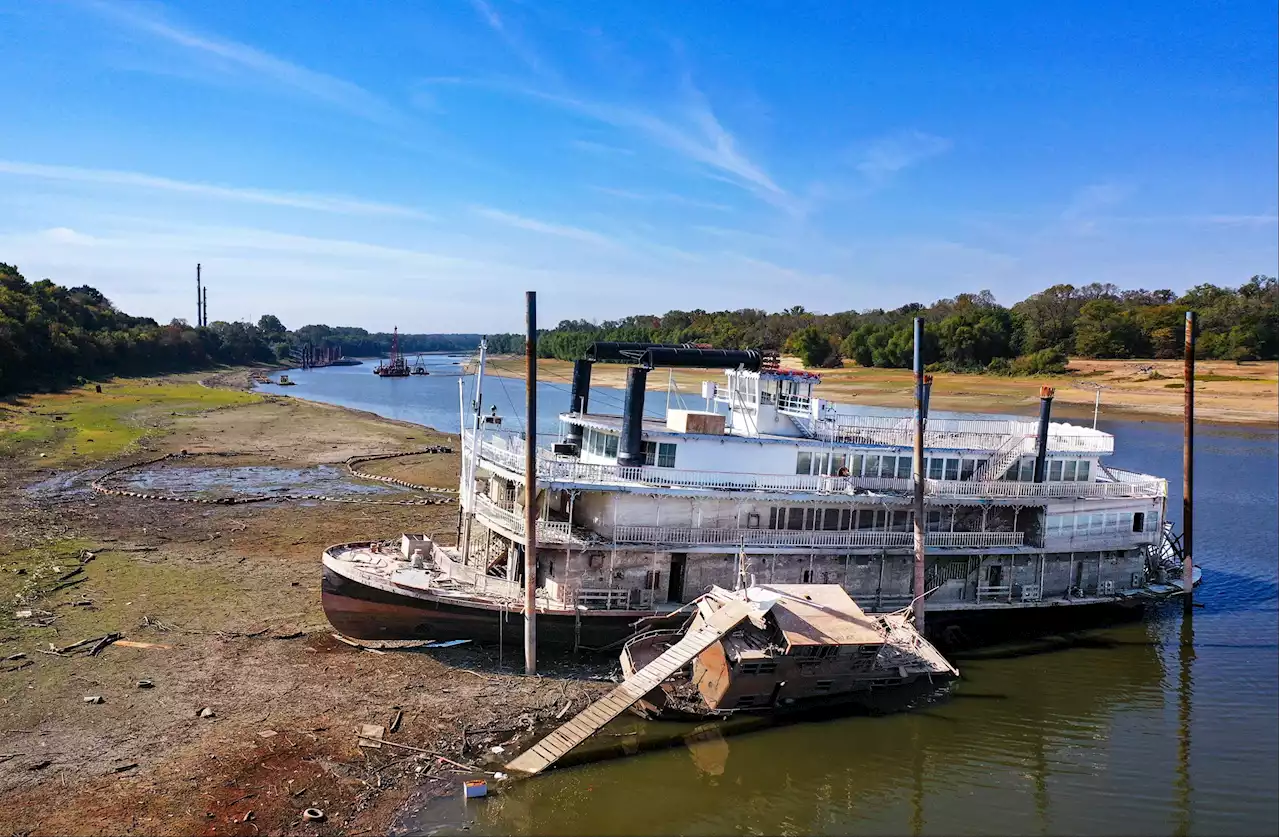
[[1166, 726]]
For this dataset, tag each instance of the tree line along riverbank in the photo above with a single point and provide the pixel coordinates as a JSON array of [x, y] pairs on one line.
[[53, 336]]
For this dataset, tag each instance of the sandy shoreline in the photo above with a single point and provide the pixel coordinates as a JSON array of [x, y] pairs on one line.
[[1226, 393], [225, 600]]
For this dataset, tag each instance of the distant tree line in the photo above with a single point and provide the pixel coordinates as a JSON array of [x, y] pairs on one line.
[[972, 332], [51, 335]]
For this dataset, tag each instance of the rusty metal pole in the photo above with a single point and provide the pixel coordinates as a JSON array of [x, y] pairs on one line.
[[1188, 458], [531, 485], [917, 583]]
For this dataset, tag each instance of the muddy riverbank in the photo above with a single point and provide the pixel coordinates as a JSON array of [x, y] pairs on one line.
[[217, 606]]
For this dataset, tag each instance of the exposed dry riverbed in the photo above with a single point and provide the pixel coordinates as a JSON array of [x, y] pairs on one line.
[[218, 606]]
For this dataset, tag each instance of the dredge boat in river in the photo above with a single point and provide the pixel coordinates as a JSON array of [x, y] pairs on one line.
[[1026, 522], [395, 366]]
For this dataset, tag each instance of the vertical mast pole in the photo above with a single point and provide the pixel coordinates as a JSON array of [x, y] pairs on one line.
[[1097, 399], [469, 467], [1188, 459], [205, 306], [918, 469], [199, 304], [531, 484]]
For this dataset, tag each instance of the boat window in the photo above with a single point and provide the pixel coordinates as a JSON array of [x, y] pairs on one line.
[[748, 701], [1083, 474], [652, 579], [901, 521], [835, 463], [933, 521], [1027, 471], [935, 468], [846, 516], [1139, 521], [967, 468], [865, 519], [1055, 470], [953, 469], [873, 467], [855, 465], [795, 518], [831, 522], [822, 686], [1069, 470], [806, 577], [888, 465], [804, 462], [904, 467]]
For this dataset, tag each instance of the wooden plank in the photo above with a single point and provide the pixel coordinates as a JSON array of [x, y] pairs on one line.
[[586, 723]]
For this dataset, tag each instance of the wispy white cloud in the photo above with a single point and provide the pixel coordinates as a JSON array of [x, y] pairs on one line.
[[294, 200], [258, 66], [883, 158], [661, 197], [1087, 201], [703, 140], [600, 148], [534, 225], [514, 40], [66, 235]]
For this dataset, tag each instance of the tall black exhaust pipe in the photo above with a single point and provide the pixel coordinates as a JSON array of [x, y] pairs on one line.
[[1042, 436], [630, 448], [579, 397]]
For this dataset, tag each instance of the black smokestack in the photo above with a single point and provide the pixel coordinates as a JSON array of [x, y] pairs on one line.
[[579, 396], [1042, 436], [630, 448]]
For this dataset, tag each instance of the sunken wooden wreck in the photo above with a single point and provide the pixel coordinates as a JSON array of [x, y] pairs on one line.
[[811, 647]]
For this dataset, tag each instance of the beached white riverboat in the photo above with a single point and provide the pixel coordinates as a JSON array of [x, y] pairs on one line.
[[769, 482]]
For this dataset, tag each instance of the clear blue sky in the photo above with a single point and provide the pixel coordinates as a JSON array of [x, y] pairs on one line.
[[424, 163]]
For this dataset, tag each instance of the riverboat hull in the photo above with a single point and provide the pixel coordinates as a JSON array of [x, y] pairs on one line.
[[363, 611]]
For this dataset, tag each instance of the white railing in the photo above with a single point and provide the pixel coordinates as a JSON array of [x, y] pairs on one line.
[[948, 434], [476, 579], [1148, 488], [786, 537], [510, 457], [549, 531]]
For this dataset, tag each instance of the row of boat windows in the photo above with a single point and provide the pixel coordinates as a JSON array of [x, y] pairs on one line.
[[936, 467], [1060, 470], [600, 443], [801, 518], [1099, 523]]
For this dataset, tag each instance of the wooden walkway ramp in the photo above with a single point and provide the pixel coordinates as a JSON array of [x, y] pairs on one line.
[[581, 727]]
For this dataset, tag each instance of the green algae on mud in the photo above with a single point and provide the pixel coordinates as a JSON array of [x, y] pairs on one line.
[[84, 424]]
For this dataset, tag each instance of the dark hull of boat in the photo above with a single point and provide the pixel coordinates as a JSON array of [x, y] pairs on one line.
[[363, 612], [951, 630], [881, 700]]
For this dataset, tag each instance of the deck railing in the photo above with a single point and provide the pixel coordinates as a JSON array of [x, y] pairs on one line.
[[508, 453], [772, 537], [549, 531]]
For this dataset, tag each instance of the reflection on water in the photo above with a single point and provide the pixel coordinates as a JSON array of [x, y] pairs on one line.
[[1156, 727]]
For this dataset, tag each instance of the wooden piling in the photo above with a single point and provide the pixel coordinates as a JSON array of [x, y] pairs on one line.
[[917, 584], [1188, 458], [531, 484]]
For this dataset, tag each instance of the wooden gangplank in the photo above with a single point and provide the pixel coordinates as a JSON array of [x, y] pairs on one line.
[[579, 728]]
